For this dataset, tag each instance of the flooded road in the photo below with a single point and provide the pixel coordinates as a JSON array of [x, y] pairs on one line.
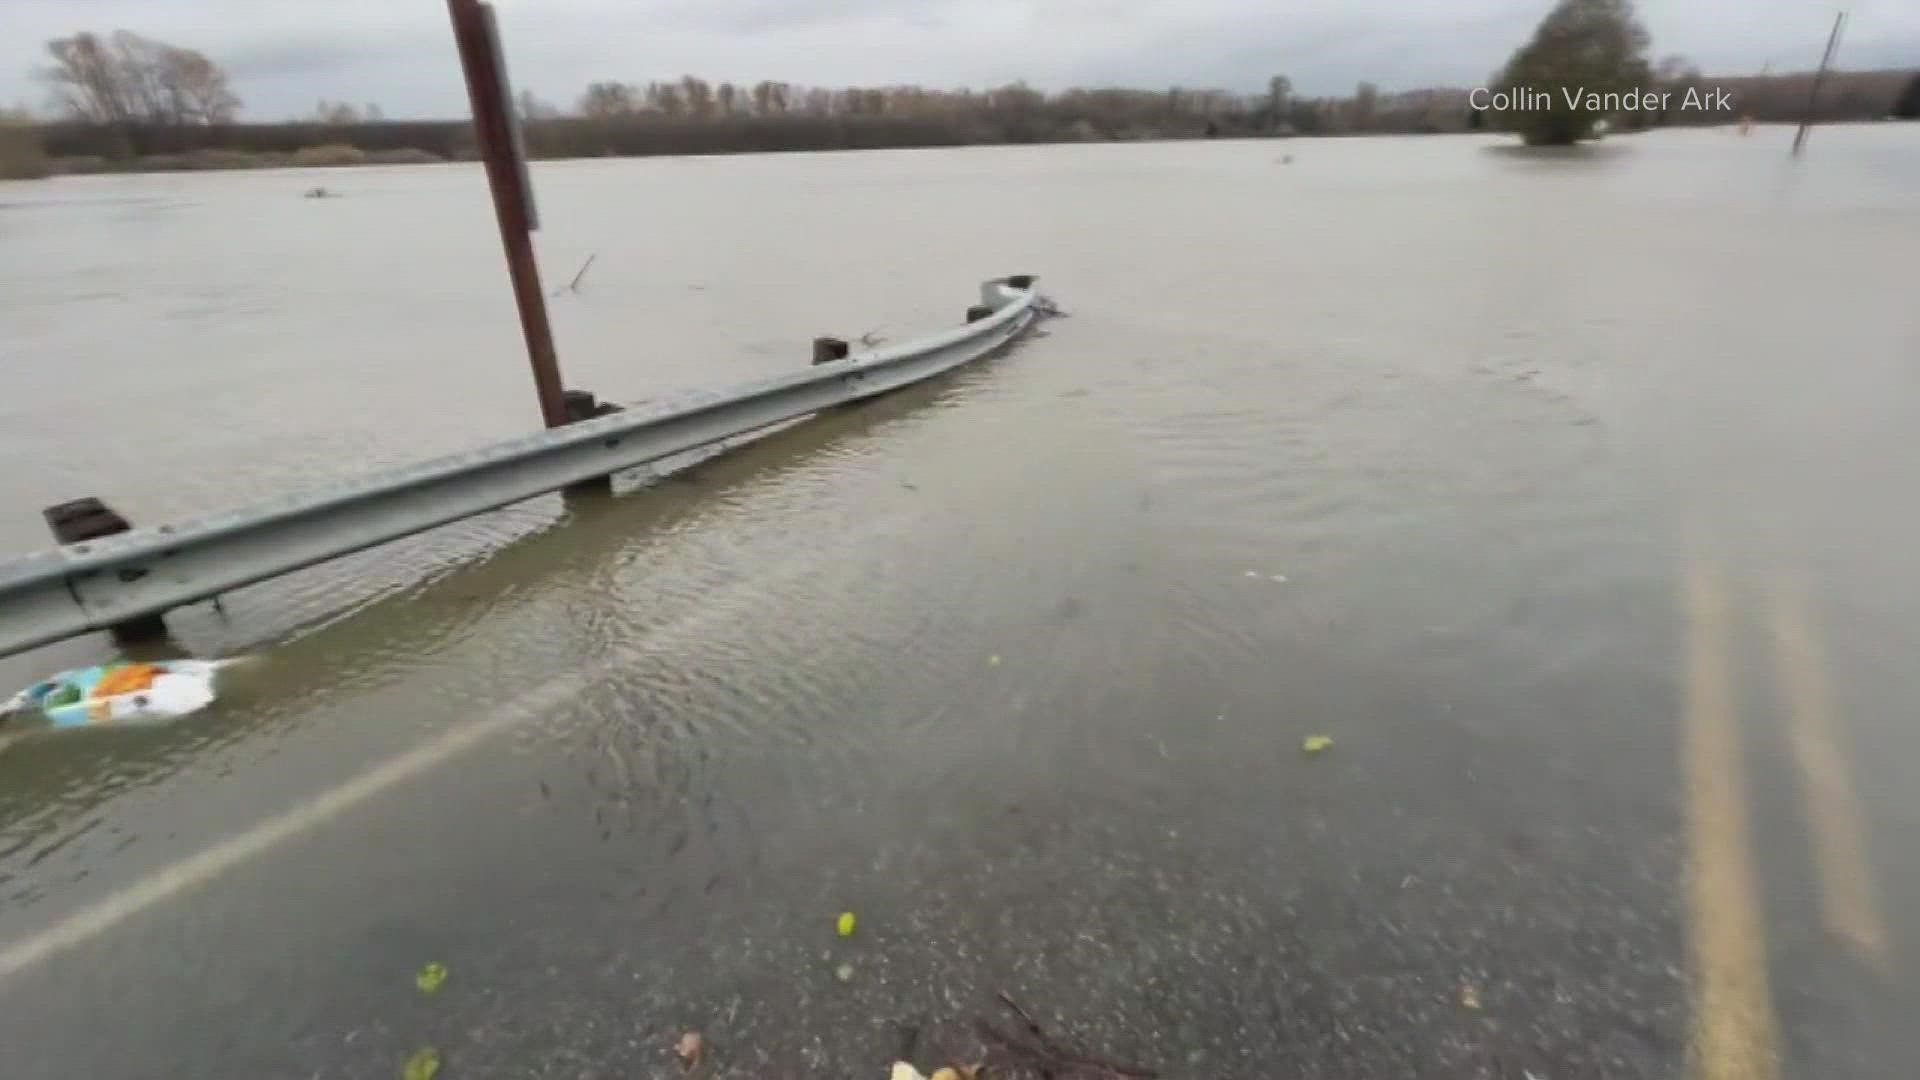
[[1568, 496]]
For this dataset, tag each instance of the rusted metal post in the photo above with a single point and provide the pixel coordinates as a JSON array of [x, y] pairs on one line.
[[1820, 76], [495, 133]]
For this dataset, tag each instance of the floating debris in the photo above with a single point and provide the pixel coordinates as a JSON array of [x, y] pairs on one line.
[[845, 924], [423, 1065], [574, 285], [690, 1048], [120, 693], [844, 973], [994, 660], [903, 1070], [431, 977], [1469, 997], [1316, 744]]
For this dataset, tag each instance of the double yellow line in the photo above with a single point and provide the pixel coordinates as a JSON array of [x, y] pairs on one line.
[[1817, 733], [1735, 1034]]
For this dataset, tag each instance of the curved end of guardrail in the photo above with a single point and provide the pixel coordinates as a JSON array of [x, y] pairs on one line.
[[999, 292]]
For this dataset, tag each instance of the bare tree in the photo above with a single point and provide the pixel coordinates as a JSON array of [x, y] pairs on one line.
[[1673, 67], [665, 99], [1677, 77], [608, 99], [194, 87], [1014, 98], [1366, 100], [1279, 95], [86, 80], [698, 96], [530, 107], [335, 112], [127, 78], [205, 86]]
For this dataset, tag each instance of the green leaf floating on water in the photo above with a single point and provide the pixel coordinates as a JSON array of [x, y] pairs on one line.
[[423, 1065], [431, 977]]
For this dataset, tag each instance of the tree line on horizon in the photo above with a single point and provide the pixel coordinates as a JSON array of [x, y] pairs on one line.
[[124, 97]]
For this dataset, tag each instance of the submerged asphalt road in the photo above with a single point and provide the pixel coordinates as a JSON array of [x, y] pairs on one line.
[[1595, 574]]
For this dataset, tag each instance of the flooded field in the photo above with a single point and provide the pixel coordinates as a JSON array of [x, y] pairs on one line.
[[1570, 496]]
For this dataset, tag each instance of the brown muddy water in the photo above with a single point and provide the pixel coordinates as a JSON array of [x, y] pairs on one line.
[[1572, 496]]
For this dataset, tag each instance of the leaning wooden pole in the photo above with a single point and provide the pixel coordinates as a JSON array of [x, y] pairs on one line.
[[1820, 76], [497, 135]]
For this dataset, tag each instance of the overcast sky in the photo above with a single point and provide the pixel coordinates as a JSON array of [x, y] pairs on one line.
[[285, 55]]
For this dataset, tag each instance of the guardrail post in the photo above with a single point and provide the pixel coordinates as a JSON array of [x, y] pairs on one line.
[[582, 405], [106, 574], [828, 349], [978, 312], [81, 520]]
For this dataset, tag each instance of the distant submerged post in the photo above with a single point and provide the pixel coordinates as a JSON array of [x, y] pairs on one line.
[[1820, 76], [497, 134]]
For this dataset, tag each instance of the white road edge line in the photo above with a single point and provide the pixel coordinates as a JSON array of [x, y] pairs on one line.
[[196, 870]]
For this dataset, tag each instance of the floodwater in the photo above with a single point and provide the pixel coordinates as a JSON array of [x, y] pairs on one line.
[[1571, 496]]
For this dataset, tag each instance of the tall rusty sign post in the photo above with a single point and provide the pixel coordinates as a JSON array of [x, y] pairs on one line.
[[497, 133], [1820, 76]]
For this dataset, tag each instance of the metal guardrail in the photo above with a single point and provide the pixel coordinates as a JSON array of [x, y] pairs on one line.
[[67, 591]]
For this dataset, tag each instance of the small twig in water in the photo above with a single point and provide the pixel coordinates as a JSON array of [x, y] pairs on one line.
[[1033, 1026], [574, 285]]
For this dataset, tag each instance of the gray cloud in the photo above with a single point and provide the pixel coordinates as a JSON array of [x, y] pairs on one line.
[[320, 57], [285, 54]]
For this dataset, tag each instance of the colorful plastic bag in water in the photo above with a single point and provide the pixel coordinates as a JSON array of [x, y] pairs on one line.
[[121, 693]]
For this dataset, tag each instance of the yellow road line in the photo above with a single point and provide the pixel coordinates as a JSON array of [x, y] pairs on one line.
[[1734, 1035], [1817, 733]]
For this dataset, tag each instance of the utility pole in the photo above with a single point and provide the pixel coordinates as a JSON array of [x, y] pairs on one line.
[[1820, 76], [497, 134]]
